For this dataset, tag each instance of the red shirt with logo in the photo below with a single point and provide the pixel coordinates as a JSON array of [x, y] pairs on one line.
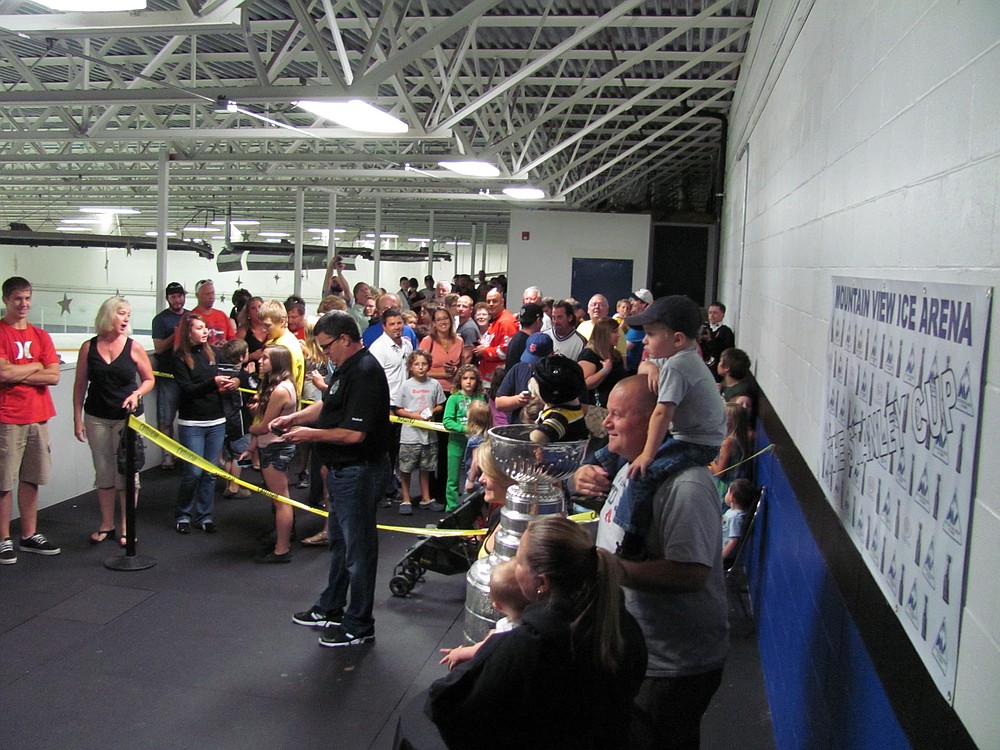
[[22, 403], [219, 326]]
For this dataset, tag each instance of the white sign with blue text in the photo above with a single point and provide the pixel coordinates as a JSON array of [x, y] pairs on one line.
[[903, 390]]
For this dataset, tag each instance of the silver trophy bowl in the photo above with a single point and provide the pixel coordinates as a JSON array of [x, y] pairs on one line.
[[537, 469]]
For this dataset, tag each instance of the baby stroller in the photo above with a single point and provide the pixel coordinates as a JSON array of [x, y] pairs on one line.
[[447, 555]]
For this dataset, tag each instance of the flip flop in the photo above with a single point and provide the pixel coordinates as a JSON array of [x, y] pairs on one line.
[[103, 534]]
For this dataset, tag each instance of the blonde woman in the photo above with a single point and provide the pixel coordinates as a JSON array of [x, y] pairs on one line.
[[113, 373]]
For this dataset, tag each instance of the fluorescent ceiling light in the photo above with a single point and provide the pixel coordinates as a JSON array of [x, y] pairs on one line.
[[274, 234], [200, 229], [156, 234], [524, 193], [471, 168], [356, 114], [272, 239], [109, 210], [236, 222], [74, 229], [383, 235], [419, 239], [81, 220], [93, 5], [336, 231]]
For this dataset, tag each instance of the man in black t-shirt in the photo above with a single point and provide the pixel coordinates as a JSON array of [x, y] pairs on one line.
[[350, 429]]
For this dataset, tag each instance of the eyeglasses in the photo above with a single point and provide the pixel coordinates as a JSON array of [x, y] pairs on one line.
[[325, 348]]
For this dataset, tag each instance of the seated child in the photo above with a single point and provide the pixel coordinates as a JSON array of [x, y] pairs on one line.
[[688, 405], [558, 381], [505, 593], [739, 497]]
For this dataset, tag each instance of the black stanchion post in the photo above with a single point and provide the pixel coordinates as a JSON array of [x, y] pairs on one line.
[[130, 561]]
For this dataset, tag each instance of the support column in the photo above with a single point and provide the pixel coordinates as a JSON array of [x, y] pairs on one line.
[[300, 212], [331, 220], [162, 208], [430, 245], [378, 239]]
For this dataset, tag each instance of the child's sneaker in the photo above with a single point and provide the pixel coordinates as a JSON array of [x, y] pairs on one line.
[[39, 545], [7, 554], [405, 509]]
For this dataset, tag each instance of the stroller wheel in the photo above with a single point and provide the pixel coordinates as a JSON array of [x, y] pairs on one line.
[[400, 585], [412, 570]]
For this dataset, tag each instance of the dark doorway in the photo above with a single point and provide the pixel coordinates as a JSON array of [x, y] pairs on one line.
[[612, 278], [680, 261]]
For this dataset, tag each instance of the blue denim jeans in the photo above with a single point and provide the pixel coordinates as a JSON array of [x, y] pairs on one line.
[[355, 493], [196, 496]]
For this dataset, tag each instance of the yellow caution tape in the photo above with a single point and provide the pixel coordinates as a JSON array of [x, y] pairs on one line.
[[745, 460], [185, 454]]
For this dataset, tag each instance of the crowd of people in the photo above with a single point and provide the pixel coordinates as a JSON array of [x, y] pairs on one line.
[[662, 395]]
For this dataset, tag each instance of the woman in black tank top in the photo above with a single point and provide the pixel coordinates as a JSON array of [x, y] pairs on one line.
[[113, 373]]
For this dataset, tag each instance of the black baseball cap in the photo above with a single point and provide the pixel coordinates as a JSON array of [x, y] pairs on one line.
[[530, 313], [174, 288], [676, 312]]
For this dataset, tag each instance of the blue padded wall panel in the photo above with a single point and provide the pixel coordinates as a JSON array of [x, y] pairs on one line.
[[821, 684]]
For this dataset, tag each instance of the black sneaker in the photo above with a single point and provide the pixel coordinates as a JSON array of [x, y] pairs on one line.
[[314, 617], [7, 554], [39, 545], [303, 482], [336, 635], [183, 527], [270, 558], [208, 527]]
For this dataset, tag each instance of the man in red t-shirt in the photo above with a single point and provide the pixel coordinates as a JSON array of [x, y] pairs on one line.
[[220, 326], [492, 349], [28, 366]]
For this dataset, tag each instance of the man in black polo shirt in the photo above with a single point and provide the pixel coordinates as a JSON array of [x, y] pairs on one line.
[[350, 429]]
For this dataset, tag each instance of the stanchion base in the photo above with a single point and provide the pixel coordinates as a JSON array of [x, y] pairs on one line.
[[124, 562]]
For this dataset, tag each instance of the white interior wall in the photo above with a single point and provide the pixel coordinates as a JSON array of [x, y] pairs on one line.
[[868, 135], [545, 259]]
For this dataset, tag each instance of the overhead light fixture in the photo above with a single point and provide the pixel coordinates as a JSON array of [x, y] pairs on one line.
[[274, 240], [418, 239], [383, 235], [65, 228], [200, 229], [121, 210], [93, 5], [471, 168], [79, 220], [274, 234], [157, 234], [524, 193], [355, 114], [236, 222]]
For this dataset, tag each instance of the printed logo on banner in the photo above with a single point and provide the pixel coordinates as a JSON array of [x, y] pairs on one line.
[[940, 651], [952, 522], [928, 567], [911, 603], [964, 400], [923, 488]]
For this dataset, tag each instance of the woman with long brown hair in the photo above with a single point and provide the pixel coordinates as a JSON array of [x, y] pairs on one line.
[[445, 347], [575, 638], [601, 361]]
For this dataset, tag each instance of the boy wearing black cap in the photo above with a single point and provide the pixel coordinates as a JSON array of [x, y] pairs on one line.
[[688, 404], [558, 381]]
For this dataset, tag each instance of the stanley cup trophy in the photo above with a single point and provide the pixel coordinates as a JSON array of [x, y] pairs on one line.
[[537, 470]]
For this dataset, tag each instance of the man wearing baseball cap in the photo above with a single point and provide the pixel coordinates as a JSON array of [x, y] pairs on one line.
[[530, 320], [164, 325], [639, 300], [512, 396]]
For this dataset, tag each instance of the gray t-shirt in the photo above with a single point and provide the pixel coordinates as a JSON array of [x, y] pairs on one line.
[[700, 415], [469, 332], [687, 633]]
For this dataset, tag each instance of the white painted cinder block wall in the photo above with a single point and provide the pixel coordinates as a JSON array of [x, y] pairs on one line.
[[545, 259], [865, 140]]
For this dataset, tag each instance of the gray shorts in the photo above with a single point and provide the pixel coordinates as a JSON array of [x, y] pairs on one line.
[[413, 456], [278, 455], [25, 454]]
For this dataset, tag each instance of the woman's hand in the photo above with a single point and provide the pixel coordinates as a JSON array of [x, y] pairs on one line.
[[226, 384], [80, 431], [132, 402]]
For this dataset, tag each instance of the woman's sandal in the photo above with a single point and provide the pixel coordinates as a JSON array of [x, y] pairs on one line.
[[316, 540], [101, 535]]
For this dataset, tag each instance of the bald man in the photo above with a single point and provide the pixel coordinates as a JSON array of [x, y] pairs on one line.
[[678, 593]]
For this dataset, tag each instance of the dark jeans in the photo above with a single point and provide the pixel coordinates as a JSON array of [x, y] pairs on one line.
[[196, 495], [670, 710], [355, 493]]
